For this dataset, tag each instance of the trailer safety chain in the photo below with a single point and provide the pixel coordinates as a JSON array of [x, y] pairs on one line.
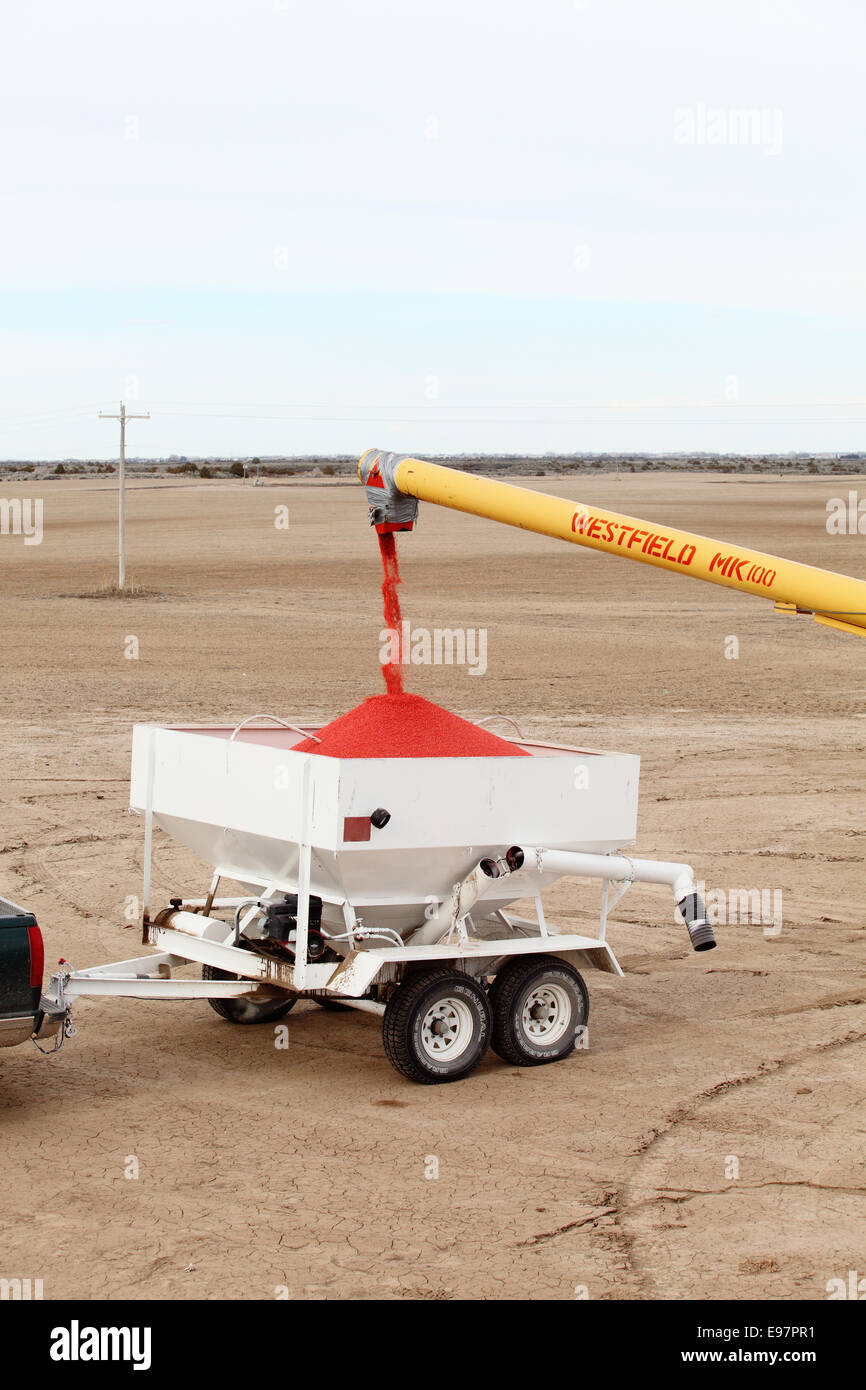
[[67, 1030]]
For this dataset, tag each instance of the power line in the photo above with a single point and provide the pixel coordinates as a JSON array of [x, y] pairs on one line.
[[711, 403], [725, 418]]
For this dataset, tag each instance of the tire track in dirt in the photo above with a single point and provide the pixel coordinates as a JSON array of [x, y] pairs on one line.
[[636, 1236]]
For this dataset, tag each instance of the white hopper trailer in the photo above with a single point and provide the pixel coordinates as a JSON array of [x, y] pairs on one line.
[[384, 884]]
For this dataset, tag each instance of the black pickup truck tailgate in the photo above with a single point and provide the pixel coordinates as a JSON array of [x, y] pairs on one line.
[[21, 965]]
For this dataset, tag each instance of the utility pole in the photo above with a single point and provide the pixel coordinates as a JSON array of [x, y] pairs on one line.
[[121, 490]]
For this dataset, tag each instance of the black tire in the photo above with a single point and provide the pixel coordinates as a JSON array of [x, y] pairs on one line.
[[332, 1005], [410, 1028], [559, 989], [241, 1010]]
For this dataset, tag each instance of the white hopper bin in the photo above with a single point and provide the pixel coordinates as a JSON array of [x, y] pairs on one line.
[[239, 801]]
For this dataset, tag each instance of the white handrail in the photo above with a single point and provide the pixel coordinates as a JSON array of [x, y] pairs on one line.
[[507, 717], [284, 722]]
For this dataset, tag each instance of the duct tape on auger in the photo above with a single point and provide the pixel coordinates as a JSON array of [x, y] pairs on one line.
[[390, 509]]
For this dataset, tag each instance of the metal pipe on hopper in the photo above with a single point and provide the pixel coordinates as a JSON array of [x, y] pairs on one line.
[[194, 924], [620, 868], [464, 896], [395, 484]]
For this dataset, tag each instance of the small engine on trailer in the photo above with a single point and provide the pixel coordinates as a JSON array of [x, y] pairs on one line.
[[280, 926]]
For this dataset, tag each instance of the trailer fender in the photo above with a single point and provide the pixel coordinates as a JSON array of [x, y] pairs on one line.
[[597, 958]]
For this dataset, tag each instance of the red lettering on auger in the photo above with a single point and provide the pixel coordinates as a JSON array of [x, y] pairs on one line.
[[625, 537]]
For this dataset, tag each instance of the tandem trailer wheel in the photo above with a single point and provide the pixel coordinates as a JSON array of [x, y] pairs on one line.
[[437, 1026], [325, 1001], [246, 1010], [540, 1009]]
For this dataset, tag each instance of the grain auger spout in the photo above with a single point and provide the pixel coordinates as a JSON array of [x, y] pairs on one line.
[[395, 484], [619, 869]]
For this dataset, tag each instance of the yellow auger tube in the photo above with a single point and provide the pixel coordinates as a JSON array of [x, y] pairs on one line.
[[834, 599]]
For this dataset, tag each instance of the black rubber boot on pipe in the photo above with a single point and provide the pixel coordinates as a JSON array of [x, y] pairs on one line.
[[695, 917]]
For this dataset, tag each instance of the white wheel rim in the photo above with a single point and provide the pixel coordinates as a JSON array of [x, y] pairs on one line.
[[547, 1014], [447, 1029]]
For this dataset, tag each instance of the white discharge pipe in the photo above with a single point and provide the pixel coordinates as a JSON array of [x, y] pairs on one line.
[[680, 878], [463, 898], [618, 868]]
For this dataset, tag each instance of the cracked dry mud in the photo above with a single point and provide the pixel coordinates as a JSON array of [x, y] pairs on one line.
[[305, 1169]]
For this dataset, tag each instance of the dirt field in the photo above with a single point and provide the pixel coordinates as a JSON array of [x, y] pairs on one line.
[[613, 1172]]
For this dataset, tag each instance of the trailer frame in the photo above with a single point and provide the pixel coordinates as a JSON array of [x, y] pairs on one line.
[[469, 931]]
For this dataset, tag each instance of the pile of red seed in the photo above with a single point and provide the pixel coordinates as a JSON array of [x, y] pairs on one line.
[[405, 726], [398, 725]]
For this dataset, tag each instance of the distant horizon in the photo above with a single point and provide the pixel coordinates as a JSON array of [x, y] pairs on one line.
[[492, 457]]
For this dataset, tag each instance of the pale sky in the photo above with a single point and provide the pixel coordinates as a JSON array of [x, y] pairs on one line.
[[435, 227]]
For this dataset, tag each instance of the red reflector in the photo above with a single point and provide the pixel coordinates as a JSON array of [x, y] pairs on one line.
[[37, 957], [355, 828]]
